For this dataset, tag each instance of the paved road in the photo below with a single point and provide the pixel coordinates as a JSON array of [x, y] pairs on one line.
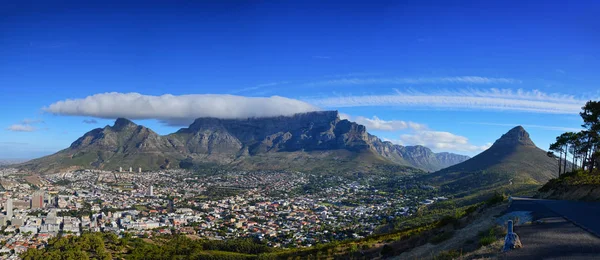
[[556, 237], [583, 214]]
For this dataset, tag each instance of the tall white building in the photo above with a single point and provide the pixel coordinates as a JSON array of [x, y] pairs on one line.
[[130, 169], [151, 192], [9, 208]]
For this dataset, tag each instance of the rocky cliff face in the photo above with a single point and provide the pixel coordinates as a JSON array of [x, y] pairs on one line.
[[228, 140], [416, 156], [302, 132], [514, 137], [449, 159], [123, 137]]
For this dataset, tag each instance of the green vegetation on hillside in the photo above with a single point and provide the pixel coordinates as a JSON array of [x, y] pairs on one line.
[[574, 178], [578, 179], [583, 146], [109, 246]]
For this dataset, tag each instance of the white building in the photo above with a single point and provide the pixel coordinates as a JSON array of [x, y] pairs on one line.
[[25, 229], [9, 208]]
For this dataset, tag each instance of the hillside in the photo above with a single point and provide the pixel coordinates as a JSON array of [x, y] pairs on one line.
[[513, 162], [576, 185], [318, 141]]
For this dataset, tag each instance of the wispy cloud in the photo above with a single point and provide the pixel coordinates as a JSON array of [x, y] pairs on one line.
[[375, 123], [177, 110], [259, 86], [404, 81], [21, 128], [29, 121], [440, 141], [90, 121], [352, 74], [490, 99], [545, 127], [318, 57], [26, 125], [418, 134]]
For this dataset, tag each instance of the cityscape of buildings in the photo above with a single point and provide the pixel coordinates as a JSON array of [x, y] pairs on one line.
[[284, 209]]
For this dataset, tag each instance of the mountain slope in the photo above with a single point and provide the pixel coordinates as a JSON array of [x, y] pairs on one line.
[[511, 161], [123, 144], [320, 138]]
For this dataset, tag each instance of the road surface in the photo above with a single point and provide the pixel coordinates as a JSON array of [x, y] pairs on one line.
[[568, 230]]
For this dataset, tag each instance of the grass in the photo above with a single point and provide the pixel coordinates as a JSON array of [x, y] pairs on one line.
[[578, 177], [491, 236], [487, 240]]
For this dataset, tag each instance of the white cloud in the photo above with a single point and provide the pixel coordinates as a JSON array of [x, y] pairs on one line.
[[28, 121], [546, 127], [375, 123], [491, 99], [90, 121], [21, 128], [177, 110], [321, 57], [271, 84], [26, 125], [259, 86], [419, 134], [440, 141], [403, 81]]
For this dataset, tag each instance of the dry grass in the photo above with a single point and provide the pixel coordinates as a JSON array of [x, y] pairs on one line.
[[34, 180], [466, 235]]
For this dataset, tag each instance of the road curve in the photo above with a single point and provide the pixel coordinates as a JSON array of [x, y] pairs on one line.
[[583, 214], [565, 230]]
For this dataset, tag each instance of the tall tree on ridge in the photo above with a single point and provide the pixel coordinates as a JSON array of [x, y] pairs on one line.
[[591, 121], [556, 147]]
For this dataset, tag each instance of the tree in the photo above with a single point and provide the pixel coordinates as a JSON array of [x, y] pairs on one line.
[[565, 140], [572, 141], [557, 147], [591, 121]]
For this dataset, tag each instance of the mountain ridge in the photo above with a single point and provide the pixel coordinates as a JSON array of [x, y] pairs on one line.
[[229, 141], [512, 162]]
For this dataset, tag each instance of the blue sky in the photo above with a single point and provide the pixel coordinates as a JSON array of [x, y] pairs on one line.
[[453, 77]]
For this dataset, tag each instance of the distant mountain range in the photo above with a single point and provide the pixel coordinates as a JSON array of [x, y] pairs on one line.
[[510, 164], [11, 161], [313, 141]]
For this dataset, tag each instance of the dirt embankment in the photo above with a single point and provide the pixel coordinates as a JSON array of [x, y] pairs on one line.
[[461, 238], [585, 192]]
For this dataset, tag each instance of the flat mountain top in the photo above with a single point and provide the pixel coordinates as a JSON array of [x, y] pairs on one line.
[[244, 143]]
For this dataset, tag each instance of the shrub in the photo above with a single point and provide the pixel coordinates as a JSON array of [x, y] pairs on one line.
[[489, 237], [496, 199]]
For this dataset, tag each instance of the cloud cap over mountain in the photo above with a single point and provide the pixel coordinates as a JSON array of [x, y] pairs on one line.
[[177, 110]]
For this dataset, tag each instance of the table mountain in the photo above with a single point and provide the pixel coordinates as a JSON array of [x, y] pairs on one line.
[[300, 141]]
